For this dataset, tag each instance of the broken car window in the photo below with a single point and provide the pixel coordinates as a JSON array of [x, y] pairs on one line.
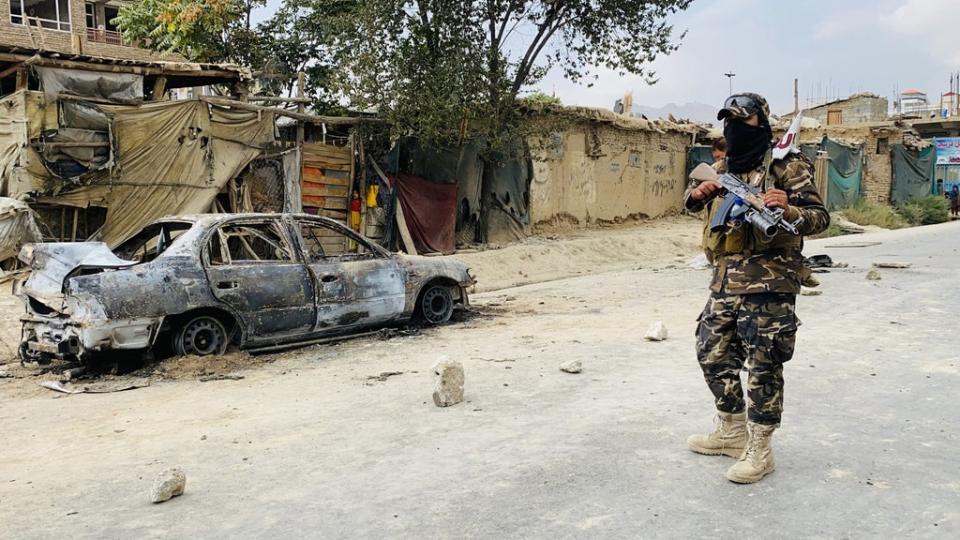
[[151, 242], [248, 243], [321, 242]]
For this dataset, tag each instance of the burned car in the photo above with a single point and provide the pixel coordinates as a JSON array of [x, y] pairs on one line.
[[202, 283]]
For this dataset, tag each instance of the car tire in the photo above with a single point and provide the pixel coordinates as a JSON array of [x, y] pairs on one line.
[[436, 305], [201, 336]]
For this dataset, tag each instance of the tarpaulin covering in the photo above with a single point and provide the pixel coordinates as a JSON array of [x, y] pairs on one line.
[[461, 165], [845, 174], [506, 198], [120, 87], [170, 157], [913, 173], [810, 150], [697, 155], [82, 115], [469, 190], [13, 135], [429, 209], [17, 227]]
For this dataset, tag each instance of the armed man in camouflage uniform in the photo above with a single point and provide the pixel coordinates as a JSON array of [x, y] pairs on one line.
[[749, 319]]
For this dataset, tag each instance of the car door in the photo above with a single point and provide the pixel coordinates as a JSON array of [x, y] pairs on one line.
[[252, 267], [357, 285]]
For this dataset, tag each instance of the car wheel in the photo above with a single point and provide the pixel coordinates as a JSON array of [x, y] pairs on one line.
[[201, 336], [436, 304]]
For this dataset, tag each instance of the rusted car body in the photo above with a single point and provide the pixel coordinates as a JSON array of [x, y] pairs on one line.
[[206, 281]]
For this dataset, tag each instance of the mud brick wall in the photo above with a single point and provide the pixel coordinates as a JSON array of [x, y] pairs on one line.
[[73, 42], [600, 173], [856, 110], [878, 169]]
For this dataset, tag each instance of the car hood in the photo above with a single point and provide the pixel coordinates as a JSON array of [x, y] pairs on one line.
[[53, 263]]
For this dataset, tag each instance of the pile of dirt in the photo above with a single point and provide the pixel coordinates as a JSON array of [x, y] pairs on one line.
[[539, 259], [190, 367]]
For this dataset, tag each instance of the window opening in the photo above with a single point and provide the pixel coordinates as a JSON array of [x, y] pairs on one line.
[[260, 242]]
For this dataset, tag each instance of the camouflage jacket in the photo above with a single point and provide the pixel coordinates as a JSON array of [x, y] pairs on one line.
[[744, 261]]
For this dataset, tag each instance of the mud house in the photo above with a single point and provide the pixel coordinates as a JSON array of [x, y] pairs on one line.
[[859, 108], [865, 161], [606, 167]]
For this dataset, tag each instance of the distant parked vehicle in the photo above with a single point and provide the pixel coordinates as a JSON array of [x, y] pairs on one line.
[[201, 283]]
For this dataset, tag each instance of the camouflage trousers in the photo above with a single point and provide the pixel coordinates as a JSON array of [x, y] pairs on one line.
[[756, 331]]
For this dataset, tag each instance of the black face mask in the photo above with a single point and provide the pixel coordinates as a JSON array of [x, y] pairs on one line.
[[746, 145]]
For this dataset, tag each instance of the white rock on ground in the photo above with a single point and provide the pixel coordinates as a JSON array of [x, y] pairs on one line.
[[699, 262], [169, 484], [656, 332], [873, 275], [572, 366], [448, 383]]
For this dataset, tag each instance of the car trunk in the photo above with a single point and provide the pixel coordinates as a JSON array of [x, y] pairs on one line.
[[53, 263]]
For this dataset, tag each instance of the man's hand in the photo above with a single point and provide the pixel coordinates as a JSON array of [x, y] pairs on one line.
[[775, 198], [705, 190]]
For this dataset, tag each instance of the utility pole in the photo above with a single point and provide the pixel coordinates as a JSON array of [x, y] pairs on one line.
[[796, 96], [730, 77]]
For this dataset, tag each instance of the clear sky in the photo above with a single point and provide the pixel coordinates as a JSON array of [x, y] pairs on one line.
[[835, 47]]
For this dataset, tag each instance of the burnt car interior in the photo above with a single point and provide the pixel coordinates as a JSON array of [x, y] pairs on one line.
[[151, 242], [248, 243], [322, 243]]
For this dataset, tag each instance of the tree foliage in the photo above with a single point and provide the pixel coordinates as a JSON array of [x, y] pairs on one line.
[[438, 69], [432, 67], [201, 30]]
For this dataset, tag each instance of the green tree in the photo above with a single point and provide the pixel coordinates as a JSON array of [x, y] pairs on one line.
[[200, 30], [295, 39], [433, 66]]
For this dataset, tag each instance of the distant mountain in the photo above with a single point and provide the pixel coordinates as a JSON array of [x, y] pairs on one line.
[[698, 112]]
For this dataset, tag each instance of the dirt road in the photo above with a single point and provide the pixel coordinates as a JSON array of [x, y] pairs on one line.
[[314, 443]]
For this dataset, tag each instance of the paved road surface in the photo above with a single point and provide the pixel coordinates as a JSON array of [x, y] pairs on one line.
[[307, 446]]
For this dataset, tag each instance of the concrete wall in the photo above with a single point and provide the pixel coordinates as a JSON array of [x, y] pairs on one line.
[[600, 173], [73, 42], [855, 110]]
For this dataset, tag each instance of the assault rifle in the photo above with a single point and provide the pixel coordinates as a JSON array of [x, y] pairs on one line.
[[745, 203]]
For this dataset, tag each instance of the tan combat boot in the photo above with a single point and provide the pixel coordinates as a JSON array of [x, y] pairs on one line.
[[728, 439], [757, 459]]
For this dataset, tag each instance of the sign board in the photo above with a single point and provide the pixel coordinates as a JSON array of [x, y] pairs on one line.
[[948, 150]]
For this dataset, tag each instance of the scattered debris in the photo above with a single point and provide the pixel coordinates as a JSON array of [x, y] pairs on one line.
[[873, 275], [391, 332], [854, 245], [73, 373], [571, 366], [102, 387], [57, 386], [892, 265], [497, 360], [169, 483], [221, 377], [656, 332], [810, 280], [448, 383], [818, 261], [384, 375], [810, 292], [699, 262]]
